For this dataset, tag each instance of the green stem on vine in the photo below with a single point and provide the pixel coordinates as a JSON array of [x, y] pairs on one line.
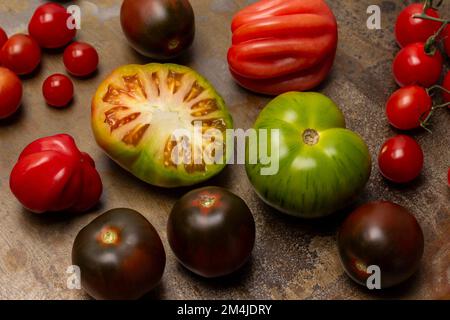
[[436, 86], [424, 124], [430, 47]]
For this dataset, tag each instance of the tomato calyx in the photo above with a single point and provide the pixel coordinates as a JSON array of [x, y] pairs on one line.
[[109, 236], [430, 44], [310, 137]]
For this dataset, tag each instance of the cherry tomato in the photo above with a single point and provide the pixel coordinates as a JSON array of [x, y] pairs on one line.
[[48, 26], [407, 107], [446, 85], [447, 40], [381, 234], [3, 37], [10, 92], [58, 90], [80, 59], [413, 65], [21, 54], [400, 159], [411, 30]]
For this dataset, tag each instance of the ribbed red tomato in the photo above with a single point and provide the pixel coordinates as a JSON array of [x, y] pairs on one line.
[[53, 175], [283, 45]]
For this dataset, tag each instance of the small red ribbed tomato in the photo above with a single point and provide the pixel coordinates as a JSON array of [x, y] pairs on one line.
[[51, 174], [408, 107], [280, 46]]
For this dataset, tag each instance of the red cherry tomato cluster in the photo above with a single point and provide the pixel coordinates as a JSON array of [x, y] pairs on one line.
[[417, 68], [49, 28]]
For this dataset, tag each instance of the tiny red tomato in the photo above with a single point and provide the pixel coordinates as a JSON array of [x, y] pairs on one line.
[[80, 59], [446, 86], [3, 37], [413, 65], [58, 90], [408, 106], [10, 93], [48, 26], [21, 54], [411, 30], [447, 40], [400, 159]]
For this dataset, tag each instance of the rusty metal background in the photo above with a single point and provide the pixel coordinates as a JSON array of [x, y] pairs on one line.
[[293, 259]]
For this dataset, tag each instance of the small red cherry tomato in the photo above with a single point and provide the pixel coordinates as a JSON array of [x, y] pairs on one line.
[[48, 26], [413, 65], [3, 37], [447, 40], [58, 90], [80, 59], [10, 93], [21, 54], [400, 159], [407, 107], [411, 30], [446, 85]]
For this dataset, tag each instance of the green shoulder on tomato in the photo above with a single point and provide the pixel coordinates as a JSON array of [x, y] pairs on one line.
[[322, 165]]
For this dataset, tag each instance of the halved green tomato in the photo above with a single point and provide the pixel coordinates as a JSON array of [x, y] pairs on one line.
[[162, 122], [322, 166]]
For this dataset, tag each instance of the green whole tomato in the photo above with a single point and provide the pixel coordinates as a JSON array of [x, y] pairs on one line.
[[322, 165]]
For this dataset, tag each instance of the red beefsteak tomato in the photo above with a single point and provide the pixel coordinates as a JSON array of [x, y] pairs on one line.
[[283, 45], [53, 175]]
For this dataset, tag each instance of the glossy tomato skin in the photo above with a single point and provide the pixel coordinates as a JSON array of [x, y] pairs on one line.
[[21, 54], [120, 255], [408, 106], [280, 46], [211, 231], [411, 30], [381, 234], [3, 37], [52, 174], [446, 35], [58, 90], [158, 29], [48, 26], [322, 165], [10, 93], [80, 59], [400, 159], [446, 85], [413, 66]]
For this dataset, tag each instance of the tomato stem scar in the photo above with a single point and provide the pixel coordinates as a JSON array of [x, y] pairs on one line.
[[310, 137]]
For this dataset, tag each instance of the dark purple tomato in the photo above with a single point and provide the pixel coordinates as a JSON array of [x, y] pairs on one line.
[[211, 231], [383, 234], [120, 256], [158, 29]]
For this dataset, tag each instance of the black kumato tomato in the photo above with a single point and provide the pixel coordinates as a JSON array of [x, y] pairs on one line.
[[211, 231], [381, 234], [158, 29], [120, 256]]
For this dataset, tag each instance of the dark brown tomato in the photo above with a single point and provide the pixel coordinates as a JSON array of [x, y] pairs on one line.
[[158, 29], [120, 256], [383, 234], [211, 231]]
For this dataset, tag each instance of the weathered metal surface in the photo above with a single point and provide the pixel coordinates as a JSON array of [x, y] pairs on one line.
[[293, 259]]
